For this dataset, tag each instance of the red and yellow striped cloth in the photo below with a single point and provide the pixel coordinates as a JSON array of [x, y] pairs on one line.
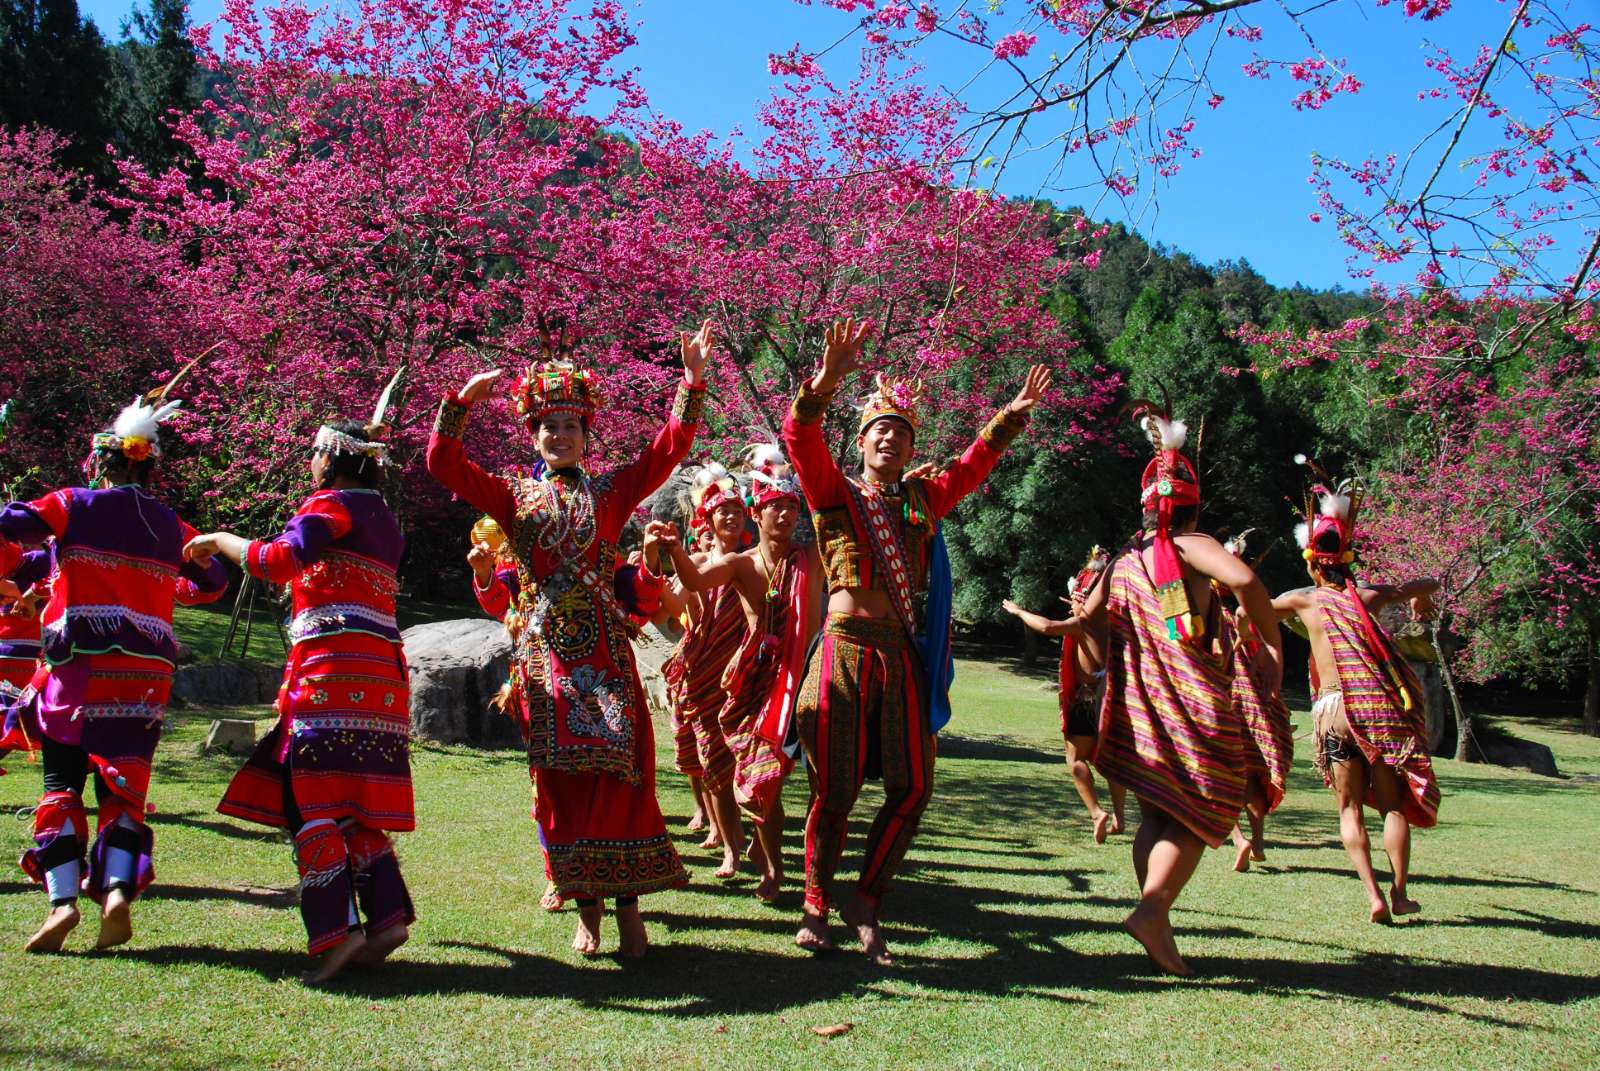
[[1168, 727]]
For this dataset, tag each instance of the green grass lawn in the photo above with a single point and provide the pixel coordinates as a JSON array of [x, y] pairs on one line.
[[1005, 921]]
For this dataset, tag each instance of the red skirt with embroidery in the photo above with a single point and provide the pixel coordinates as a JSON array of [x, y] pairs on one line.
[[343, 730]]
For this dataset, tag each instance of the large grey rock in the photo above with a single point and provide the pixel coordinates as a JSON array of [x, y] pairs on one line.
[[1523, 754], [650, 650], [221, 684], [456, 668]]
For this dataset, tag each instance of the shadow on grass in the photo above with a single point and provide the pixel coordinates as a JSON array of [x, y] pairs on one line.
[[189, 820]]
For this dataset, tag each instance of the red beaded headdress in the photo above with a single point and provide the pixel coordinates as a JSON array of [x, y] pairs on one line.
[[1093, 566], [893, 398], [711, 486], [771, 476], [1169, 480], [1329, 507], [555, 385]]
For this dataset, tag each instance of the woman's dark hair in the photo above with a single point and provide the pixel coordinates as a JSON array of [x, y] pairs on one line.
[[111, 464], [357, 468], [1182, 517]]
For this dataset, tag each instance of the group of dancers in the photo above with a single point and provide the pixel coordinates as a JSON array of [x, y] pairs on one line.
[[830, 648]]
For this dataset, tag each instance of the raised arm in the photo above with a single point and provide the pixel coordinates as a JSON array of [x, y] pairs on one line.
[[1418, 592], [973, 467], [1214, 560], [448, 462], [819, 473], [634, 481], [695, 576]]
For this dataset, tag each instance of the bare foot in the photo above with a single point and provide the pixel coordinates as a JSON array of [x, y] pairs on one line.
[[1102, 826], [116, 920], [587, 937], [712, 840], [1258, 853], [1402, 904], [813, 935], [380, 944], [53, 934], [551, 900], [1154, 932], [730, 863], [1380, 912], [1117, 824], [858, 913], [767, 888], [336, 958], [1241, 857], [630, 930], [697, 822]]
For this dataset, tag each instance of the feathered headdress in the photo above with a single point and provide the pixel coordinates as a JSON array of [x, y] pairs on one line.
[[893, 398], [1095, 564], [1168, 481], [1330, 510], [555, 385], [136, 433], [710, 486], [771, 476], [372, 444]]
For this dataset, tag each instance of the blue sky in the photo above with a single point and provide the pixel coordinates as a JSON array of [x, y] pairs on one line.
[[704, 62]]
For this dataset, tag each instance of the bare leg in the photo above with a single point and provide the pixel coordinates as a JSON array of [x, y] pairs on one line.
[[382, 943], [53, 934], [727, 827], [857, 912], [630, 930], [1172, 861], [1119, 800], [336, 958], [1350, 787], [1387, 789], [1083, 781], [116, 920], [586, 939], [1241, 850], [1255, 806], [769, 834], [697, 820], [1150, 823]]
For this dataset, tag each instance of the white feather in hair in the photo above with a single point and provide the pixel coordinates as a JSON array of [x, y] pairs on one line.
[[1302, 535], [140, 421], [1173, 433], [761, 455], [1332, 505]]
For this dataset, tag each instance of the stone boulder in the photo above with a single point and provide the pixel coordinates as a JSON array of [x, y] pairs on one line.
[[456, 668], [237, 736], [650, 650], [1522, 754], [223, 684]]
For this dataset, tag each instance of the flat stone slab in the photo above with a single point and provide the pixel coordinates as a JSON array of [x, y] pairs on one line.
[[237, 736]]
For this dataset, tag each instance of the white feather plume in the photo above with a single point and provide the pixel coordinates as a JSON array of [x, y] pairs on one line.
[[1173, 433], [1335, 506], [709, 474], [1302, 535], [1300, 459], [140, 421], [1072, 586], [761, 455]]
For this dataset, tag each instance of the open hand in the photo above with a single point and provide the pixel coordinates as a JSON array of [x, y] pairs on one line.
[[1010, 607], [696, 350], [1033, 389], [841, 353], [480, 386], [661, 533], [1266, 668]]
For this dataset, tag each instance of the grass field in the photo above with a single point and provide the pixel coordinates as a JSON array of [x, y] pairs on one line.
[[1005, 922]]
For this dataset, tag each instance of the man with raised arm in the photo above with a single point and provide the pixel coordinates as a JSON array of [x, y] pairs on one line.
[[867, 707]]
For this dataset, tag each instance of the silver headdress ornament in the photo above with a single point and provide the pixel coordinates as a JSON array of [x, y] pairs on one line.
[[334, 442]]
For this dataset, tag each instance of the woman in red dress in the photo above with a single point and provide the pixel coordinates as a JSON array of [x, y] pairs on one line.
[[591, 751]]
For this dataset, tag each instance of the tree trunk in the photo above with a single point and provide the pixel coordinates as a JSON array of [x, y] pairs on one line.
[[1467, 749], [1030, 648], [1591, 692]]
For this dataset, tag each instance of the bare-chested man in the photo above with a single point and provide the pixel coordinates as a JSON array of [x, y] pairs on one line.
[[1372, 740]]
